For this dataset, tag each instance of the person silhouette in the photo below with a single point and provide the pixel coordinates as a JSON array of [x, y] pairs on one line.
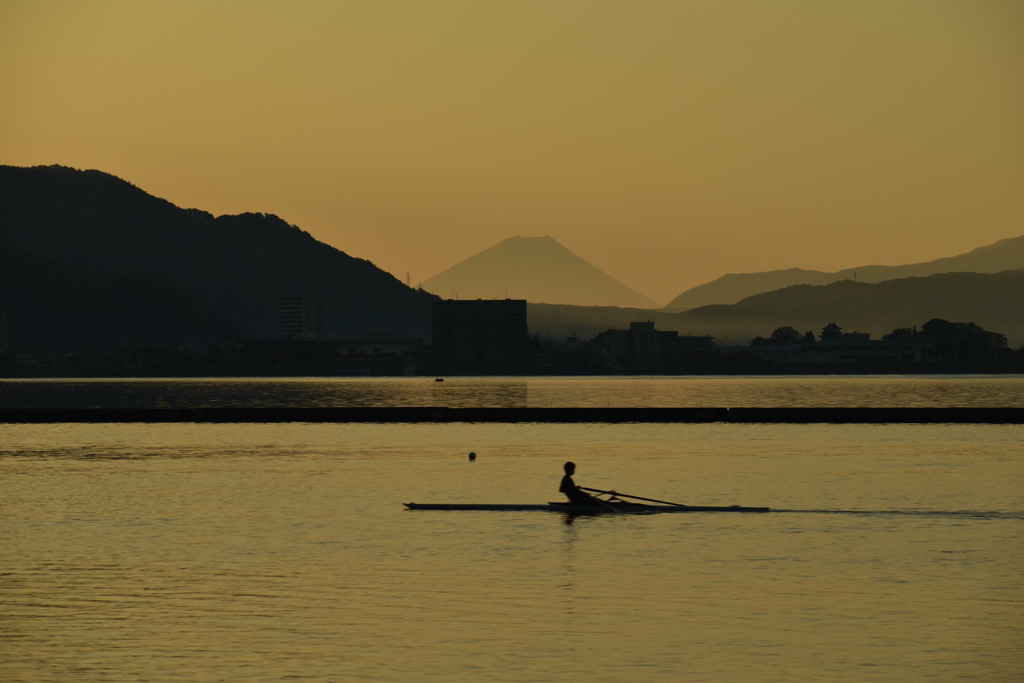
[[573, 492]]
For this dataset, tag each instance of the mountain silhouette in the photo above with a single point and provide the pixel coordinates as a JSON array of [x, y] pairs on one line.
[[52, 305], [1007, 254], [536, 269], [991, 300], [88, 257]]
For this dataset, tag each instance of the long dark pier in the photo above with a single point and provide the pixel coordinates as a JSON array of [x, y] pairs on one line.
[[512, 415]]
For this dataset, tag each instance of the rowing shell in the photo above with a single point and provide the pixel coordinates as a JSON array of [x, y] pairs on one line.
[[581, 508]]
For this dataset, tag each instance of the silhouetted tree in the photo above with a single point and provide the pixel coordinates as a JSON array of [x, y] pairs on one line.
[[787, 335], [809, 337], [979, 344], [903, 334], [962, 341]]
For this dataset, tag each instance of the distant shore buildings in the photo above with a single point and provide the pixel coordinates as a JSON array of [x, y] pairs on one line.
[[492, 337], [643, 347]]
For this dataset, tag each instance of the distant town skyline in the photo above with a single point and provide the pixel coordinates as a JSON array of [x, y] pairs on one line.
[[667, 144]]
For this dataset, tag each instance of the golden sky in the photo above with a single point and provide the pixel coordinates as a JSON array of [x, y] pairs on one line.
[[667, 143]]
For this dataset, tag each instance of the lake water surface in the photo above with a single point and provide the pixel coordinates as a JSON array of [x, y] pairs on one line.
[[995, 391], [268, 552]]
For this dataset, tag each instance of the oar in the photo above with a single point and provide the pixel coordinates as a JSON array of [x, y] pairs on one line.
[[626, 495]]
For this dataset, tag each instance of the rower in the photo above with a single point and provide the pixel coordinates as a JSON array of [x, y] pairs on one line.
[[573, 492]]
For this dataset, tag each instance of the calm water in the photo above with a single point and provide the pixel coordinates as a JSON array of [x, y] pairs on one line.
[[730, 392], [198, 552]]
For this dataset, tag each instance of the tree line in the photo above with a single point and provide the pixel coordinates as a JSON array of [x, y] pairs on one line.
[[952, 341]]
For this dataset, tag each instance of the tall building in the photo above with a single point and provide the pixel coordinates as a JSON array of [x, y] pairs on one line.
[[3, 330], [301, 317], [479, 335]]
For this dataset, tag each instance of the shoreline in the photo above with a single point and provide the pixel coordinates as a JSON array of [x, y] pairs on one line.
[[442, 414]]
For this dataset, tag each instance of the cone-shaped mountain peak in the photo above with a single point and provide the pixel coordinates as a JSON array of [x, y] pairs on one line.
[[537, 269]]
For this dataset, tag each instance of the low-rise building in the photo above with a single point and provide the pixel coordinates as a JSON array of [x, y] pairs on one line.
[[642, 347]]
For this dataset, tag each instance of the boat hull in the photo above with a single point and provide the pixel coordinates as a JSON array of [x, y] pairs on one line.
[[576, 508]]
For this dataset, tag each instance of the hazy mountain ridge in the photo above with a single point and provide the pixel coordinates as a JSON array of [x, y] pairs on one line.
[[1007, 254], [86, 253], [992, 300], [94, 228], [537, 269]]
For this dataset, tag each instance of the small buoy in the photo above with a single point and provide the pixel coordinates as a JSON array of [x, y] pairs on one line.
[[472, 457]]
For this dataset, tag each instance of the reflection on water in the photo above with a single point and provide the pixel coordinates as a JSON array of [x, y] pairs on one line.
[[207, 552], [950, 514], [504, 392]]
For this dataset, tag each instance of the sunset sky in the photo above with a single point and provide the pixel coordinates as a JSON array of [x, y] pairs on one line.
[[667, 143]]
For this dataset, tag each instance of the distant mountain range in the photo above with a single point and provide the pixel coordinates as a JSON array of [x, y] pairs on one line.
[[537, 269], [1006, 254], [88, 259], [992, 300]]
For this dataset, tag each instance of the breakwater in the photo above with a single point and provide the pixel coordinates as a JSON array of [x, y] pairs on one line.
[[798, 415]]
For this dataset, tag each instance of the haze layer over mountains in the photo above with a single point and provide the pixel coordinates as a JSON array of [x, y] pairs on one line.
[[541, 270], [1005, 254], [569, 297], [992, 300]]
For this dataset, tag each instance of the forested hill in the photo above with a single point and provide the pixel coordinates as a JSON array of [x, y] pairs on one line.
[[89, 258]]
